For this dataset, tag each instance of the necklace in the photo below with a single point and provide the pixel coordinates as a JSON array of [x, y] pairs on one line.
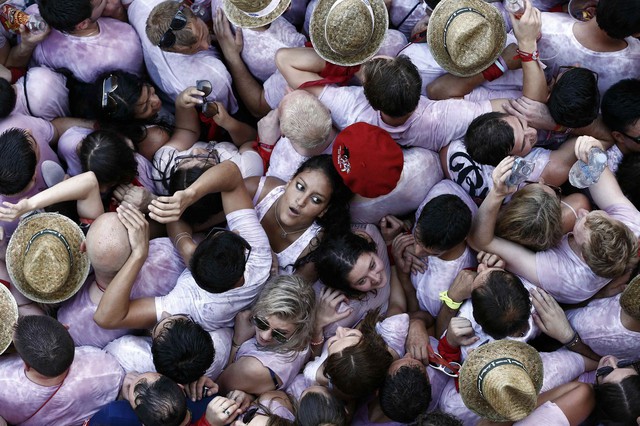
[[284, 233]]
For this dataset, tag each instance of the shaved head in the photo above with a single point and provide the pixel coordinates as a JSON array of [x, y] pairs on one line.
[[108, 244]]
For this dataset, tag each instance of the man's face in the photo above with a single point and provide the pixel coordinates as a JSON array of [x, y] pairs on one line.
[[200, 31], [524, 137], [629, 137]]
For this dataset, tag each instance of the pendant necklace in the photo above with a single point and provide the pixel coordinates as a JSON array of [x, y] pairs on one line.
[[284, 233]]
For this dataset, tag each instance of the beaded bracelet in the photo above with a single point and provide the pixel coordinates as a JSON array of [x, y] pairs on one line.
[[318, 343], [444, 296]]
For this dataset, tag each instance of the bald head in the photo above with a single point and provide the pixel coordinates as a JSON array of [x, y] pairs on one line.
[[108, 244]]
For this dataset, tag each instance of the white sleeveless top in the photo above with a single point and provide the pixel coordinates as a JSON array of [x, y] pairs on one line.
[[288, 256]]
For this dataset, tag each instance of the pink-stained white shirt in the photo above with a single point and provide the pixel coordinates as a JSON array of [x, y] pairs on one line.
[[67, 149], [614, 158], [116, 47], [134, 352], [406, 13], [563, 273], [94, 379], [214, 311], [475, 178], [421, 170], [372, 300], [440, 273], [43, 133], [285, 160], [47, 93], [432, 125], [285, 365], [157, 277], [546, 414], [558, 39], [260, 47], [174, 72], [288, 256], [600, 327]]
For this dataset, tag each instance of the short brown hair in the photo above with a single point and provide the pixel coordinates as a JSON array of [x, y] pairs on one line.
[[392, 86], [160, 18], [611, 245], [532, 218]]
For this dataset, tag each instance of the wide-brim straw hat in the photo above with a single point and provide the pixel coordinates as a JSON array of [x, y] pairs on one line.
[[466, 36], [254, 13], [630, 299], [8, 317], [500, 381], [348, 32], [44, 259]]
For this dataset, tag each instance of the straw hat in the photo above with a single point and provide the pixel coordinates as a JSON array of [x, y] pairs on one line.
[[254, 13], [44, 259], [8, 317], [348, 32], [501, 380], [466, 36], [630, 299]]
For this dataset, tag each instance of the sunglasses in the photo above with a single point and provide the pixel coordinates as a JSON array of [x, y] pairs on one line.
[[636, 139], [109, 85], [264, 326], [209, 108], [210, 155], [556, 189], [178, 22], [247, 247], [436, 361], [607, 369], [249, 415]]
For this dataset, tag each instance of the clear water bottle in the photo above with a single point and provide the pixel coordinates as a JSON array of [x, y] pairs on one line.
[[583, 175], [520, 171], [515, 6]]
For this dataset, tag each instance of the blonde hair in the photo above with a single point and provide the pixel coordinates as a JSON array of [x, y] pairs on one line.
[[533, 218], [305, 120], [611, 246], [290, 299], [160, 18]]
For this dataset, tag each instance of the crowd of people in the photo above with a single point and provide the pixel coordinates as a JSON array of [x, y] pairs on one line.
[[320, 212]]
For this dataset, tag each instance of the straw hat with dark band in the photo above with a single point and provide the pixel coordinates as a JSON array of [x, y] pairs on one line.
[[44, 259], [348, 32], [501, 380], [8, 317], [630, 299], [254, 13], [466, 36]]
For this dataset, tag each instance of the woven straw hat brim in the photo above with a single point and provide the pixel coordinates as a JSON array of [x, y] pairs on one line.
[[630, 299], [483, 355], [321, 46], [435, 35], [242, 20], [9, 315], [15, 256]]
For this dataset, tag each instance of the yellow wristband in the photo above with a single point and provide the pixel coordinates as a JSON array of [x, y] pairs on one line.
[[444, 296]]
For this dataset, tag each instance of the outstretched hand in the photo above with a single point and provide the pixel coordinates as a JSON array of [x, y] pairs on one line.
[[230, 44], [10, 212], [169, 209], [550, 317]]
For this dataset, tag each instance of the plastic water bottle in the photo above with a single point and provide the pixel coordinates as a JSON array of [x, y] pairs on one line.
[[11, 18], [520, 171], [583, 175], [515, 6]]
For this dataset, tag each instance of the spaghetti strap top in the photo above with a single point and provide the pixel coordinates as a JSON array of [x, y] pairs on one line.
[[288, 256], [256, 197]]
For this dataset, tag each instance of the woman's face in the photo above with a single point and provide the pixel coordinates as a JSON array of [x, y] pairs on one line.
[[306, 197], [368, 273], [271, 325], [344, 338], [148, 104], [615, 376]]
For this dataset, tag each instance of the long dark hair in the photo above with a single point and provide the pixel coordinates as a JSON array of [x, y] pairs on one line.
[[108, 155], [619, 403]]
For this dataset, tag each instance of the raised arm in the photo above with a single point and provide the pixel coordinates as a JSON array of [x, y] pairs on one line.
[[116, 310], [299, 65], [519, 260], [187, 129], [83, 188], [240, 132], [224, 178], [526, 30]]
